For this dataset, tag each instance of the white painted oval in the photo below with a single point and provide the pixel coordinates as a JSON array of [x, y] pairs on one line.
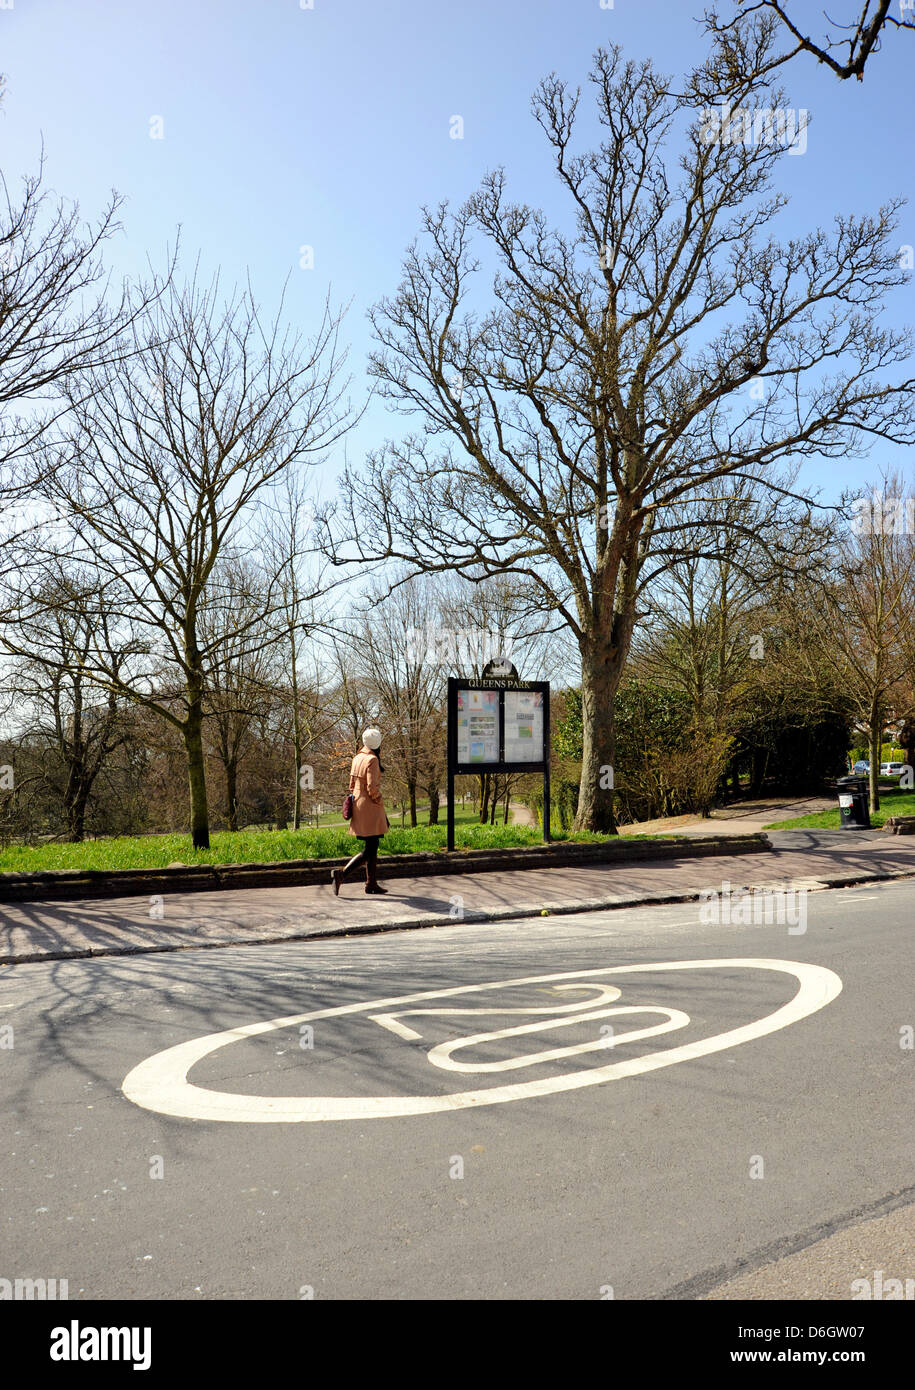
[[160, 1083]]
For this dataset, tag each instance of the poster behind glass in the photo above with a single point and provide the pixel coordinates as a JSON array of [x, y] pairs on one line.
[[523, 726], [478, 726]]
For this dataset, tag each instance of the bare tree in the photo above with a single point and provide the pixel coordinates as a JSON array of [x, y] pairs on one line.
[[55, 318], [705, 613], [388, 642], [80, 726], [302, 590], [58, 317], [169, 452], [618, 367], [845, 48], [240, 678]]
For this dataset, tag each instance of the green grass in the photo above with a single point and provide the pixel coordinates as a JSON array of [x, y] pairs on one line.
[[894, 803], [265, 847], [251, 846]]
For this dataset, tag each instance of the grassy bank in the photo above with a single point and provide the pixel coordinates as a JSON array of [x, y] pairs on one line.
[[258, 846], [893, 803]]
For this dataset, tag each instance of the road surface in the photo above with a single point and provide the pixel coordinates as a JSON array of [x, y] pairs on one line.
[[462, 1145]]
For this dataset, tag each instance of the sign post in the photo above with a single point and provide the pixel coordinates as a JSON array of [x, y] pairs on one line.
[[498, 724]]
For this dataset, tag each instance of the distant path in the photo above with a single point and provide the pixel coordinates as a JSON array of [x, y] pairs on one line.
[[742, 817]]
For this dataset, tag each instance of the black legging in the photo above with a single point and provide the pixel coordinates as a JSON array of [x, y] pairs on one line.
[[369, 852]]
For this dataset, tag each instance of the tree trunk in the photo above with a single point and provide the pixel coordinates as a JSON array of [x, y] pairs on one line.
[[75, 809], [434, 801], [296, 733], [75, 797], [79, 814], [411, 787], [484, 797], [297, 806], [600, 676], [196, 775], [232, 794], [875, 742]]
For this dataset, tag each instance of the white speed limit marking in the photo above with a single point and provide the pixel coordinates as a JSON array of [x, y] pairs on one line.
[[160, 1083]]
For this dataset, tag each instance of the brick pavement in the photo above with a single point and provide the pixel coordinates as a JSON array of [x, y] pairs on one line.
[[58, 930]]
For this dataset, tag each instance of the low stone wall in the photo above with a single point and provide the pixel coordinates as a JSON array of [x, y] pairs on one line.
[[62, 884], [900, 825]]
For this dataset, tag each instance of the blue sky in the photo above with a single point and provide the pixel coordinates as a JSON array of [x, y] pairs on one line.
[[329, 127]]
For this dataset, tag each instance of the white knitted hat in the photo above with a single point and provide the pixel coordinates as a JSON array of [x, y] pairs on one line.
[[372, 738]]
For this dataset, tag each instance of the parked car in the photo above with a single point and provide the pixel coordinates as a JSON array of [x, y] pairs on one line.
[[861, 769], [892, 769]]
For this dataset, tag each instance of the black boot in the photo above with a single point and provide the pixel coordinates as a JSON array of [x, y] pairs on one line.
[[338, 875], [371, 879]]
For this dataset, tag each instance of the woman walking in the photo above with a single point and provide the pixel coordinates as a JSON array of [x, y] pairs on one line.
[[370, 819]]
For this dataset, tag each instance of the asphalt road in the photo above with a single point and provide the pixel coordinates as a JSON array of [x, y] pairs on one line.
[[659, 1181]]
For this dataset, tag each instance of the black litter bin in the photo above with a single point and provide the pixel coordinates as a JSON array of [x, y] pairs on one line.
[[854, 811]]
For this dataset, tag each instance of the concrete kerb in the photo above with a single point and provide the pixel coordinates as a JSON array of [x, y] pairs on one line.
[[63, 885], [701, 1286], [470, 917]]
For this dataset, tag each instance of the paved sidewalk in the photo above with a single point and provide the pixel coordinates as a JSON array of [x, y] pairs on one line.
[[740, 818], [871, 1259], [32, 931]]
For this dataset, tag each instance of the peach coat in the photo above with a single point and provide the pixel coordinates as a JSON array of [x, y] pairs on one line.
[[369, 815]]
